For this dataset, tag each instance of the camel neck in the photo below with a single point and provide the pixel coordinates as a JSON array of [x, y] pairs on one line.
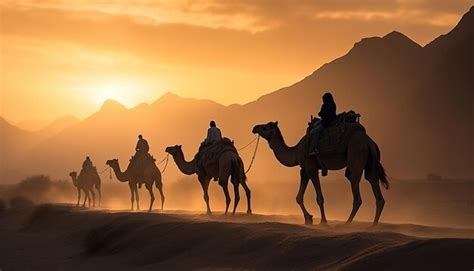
[[74, 180], [184, 166], [286, 155], [121, 176]]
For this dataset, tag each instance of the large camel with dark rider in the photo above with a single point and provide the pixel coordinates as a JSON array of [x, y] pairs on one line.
[[360, 153]]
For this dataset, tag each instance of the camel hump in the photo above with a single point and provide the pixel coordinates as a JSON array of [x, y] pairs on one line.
[[342, 118], [335, 138], [140, 161], [210, 154]]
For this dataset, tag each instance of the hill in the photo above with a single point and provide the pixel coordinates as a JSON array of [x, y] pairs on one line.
[[416, 103]]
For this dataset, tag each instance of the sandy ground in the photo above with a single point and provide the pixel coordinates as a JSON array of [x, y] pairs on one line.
[[62, 237]]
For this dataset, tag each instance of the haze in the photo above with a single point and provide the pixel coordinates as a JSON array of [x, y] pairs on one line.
[[66, 57]]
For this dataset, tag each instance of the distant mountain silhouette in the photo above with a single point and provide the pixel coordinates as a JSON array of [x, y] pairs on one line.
[[417, 102]]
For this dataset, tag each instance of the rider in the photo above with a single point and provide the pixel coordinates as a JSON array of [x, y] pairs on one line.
[[87, 164], [328, 115], [142, 145], [213, 134]]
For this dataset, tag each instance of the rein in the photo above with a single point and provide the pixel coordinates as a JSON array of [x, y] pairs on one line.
[[248, 144], [166, 164], [110, 172], [254, 153]]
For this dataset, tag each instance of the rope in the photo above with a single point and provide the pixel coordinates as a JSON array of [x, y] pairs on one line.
[[253, 156], [166, 164], [162, 160], [103, 171], [100, 172], [248, 144]]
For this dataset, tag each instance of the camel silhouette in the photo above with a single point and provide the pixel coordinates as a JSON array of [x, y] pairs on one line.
[[151, 174], [86, 183], [362, 154], [229, 165]]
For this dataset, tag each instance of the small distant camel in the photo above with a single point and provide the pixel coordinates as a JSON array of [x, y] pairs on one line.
[[86, 184], [362, 154], [151, 174], [229, 165]]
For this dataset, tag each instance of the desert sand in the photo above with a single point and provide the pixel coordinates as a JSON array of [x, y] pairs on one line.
[[63, 237]]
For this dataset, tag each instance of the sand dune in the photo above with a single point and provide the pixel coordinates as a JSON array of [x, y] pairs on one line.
[[57, 237]]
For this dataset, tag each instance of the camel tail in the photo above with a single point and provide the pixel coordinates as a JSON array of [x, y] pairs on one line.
[[97, 182], [377, 166], [382, 176], [157, 177], [238, 169]]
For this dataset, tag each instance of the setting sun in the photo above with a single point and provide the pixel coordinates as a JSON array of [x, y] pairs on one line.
[[124, 92]]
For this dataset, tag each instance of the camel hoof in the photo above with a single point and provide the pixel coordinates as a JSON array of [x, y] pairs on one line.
[[249, 212], [323, 223], [308, 220]]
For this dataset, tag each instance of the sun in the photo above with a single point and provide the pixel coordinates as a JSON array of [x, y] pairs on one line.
[[124, 92]]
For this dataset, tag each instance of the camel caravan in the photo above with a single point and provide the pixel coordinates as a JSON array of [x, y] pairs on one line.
[[332, 142]]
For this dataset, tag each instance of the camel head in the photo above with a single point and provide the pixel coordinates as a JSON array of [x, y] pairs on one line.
[[173, 150], [112, 163], [73, 175], [265, 130]]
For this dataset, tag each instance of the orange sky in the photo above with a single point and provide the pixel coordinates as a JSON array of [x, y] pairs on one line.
[[63, 57]]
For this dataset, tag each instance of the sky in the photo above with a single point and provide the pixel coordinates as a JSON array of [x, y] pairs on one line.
[[66, 57]]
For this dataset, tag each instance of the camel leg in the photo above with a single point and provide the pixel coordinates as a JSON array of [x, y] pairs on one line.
[[78, 196], [319, 198], [308, 218], [205, 186], [357, 154], [236, 196], [100, 196], [247, 193], [132, 192], [93, 197], [379, 200], [357, 202], [86, 197], [135, 187], [152, 196], [224, 181], [159, 185]]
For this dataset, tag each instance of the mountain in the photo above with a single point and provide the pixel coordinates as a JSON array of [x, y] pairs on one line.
[[58, 125], [416, 103], [31, 125]]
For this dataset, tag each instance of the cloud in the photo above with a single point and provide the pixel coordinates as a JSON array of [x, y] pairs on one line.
[[261, 15], [252, 47]]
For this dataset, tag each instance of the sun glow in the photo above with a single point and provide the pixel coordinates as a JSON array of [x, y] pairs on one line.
[[125, 92]]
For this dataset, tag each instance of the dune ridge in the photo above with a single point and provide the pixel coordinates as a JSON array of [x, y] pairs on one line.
[[62, 237]]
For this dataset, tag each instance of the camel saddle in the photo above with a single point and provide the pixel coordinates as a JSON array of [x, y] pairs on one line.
[[210, 154], [334, 139], [139, 162], [89, 171]]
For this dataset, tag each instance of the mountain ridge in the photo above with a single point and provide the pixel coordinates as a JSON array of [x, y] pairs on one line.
[[386, 79]]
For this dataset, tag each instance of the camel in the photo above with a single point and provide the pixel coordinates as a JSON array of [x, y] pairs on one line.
[[151, 174], [85, 184], [229, 165], [362, 154]]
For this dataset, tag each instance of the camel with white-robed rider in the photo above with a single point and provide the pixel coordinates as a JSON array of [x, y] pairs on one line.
[[228, 165], [146, 174]]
